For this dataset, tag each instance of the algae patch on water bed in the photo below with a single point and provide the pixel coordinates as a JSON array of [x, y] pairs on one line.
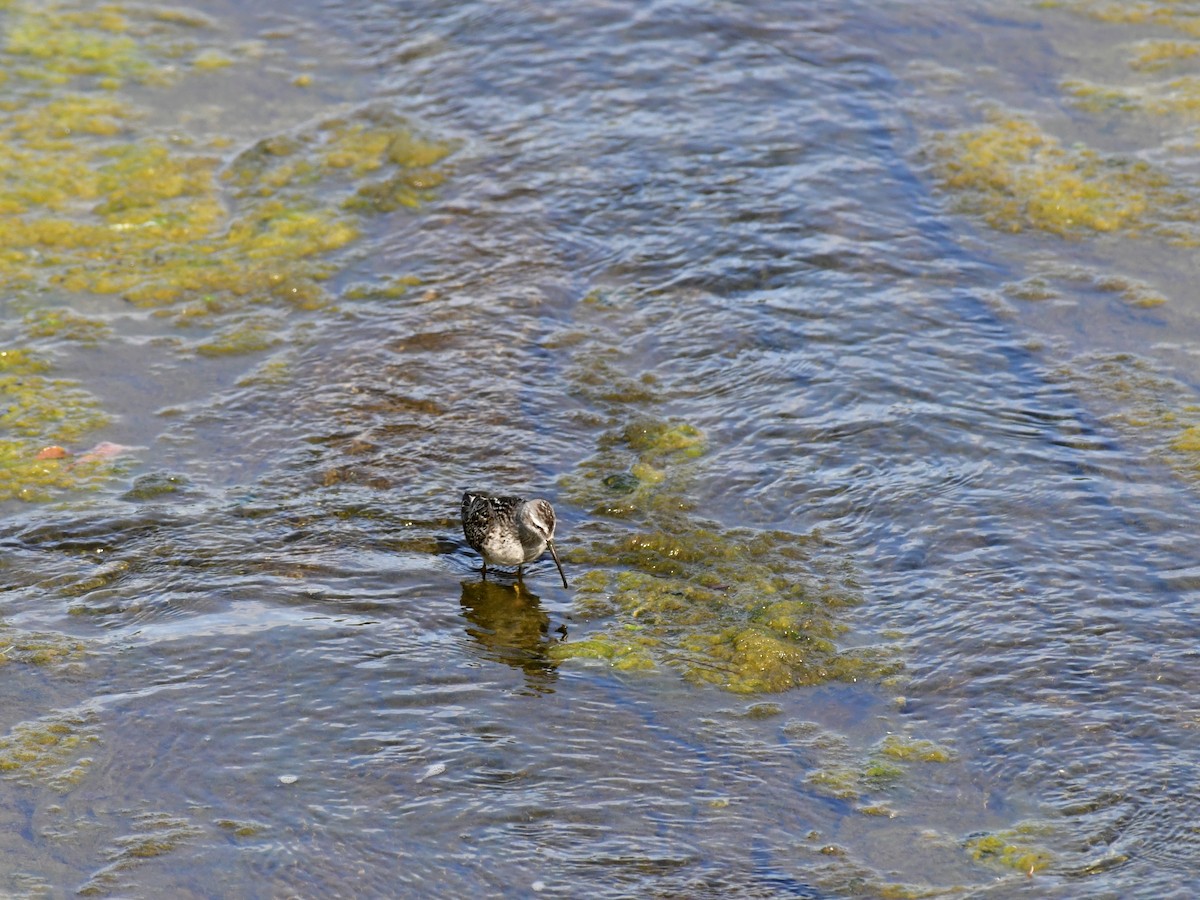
[[103, 212], [846, 774], [1154, 55], [1157, 413], [749, 610], [167, 228], [1054, 280], [1017, 177], [1016, 848], [1183, 17], [1176, 96], [154, 834], [96, 202], [39, 410], [37, 649], [51, 750]]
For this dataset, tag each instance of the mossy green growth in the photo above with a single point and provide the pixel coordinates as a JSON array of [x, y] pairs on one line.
[[896, 746], [37, 649], [242, 828], [386, 289], [1054, 281], [249, 336], [747, 610], [1157, 414], [1017, 177], [842, 782], [622, 652], [842, 772], [66, 325], [40, 411], [1154, 55], [652, 440], [155, 834], [1012, 849], [155, 486], [1175, 97], [763, 710], [627, 476], [95, 202], [1167, 13], [211, 59], [880, 774], [58, 42], [49, 751]]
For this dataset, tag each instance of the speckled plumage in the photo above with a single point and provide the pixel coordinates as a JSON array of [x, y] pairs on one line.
[[509, 531]]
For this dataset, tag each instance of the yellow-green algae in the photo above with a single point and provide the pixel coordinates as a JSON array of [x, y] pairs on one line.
[[748, 610], [1154, 55], [50, 750], [1183, 17], [1158, 413], [242, 828], [36, 648], [1016, 848], [907, 749], [1016, 177], [844, 773], [1176, 97], [95, 202], [1045, 285], [66, 325], [250, 335], [155, 486], [155, 834], [39, 410]]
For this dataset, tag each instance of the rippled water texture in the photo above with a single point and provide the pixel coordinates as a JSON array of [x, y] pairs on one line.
[[854, 346]]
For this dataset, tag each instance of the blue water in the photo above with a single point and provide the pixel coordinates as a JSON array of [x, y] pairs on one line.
[[292, 674]]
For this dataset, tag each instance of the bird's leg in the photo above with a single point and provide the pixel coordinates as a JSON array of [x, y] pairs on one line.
[[519, 574], [485, 570]]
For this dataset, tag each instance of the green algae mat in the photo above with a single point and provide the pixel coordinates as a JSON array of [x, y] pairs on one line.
[[97, 205]]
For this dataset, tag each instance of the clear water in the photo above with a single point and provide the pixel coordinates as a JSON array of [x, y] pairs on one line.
[[289, 679]]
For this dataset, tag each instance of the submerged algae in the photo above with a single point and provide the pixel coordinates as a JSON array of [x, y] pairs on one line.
[[1044, 285], [1170, 13], [38, 411], [1153, 55], [65, 324], [1011, 849], [743, 609], [849, 775], [49, 750], [37, 649], [1015, 176], [1157, 412], [1177, 96], [97, 203], [155, 834]]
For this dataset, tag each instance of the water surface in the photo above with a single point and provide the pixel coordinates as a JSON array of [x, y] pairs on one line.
[[877, 505]]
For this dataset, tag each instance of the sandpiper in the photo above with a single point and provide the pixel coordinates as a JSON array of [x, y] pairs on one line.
[[509, 531]]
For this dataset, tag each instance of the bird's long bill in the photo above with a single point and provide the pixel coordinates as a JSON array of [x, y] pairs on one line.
[[554, 553]]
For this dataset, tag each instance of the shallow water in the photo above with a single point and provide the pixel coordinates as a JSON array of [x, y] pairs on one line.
[[878, 508]]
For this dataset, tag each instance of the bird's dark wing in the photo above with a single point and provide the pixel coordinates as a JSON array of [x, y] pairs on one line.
[[480, 509]]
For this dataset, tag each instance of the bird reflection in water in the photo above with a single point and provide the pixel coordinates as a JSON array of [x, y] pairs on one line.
[[507, 621]]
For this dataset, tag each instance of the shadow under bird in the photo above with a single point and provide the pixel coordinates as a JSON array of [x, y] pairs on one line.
[[509, 531]]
